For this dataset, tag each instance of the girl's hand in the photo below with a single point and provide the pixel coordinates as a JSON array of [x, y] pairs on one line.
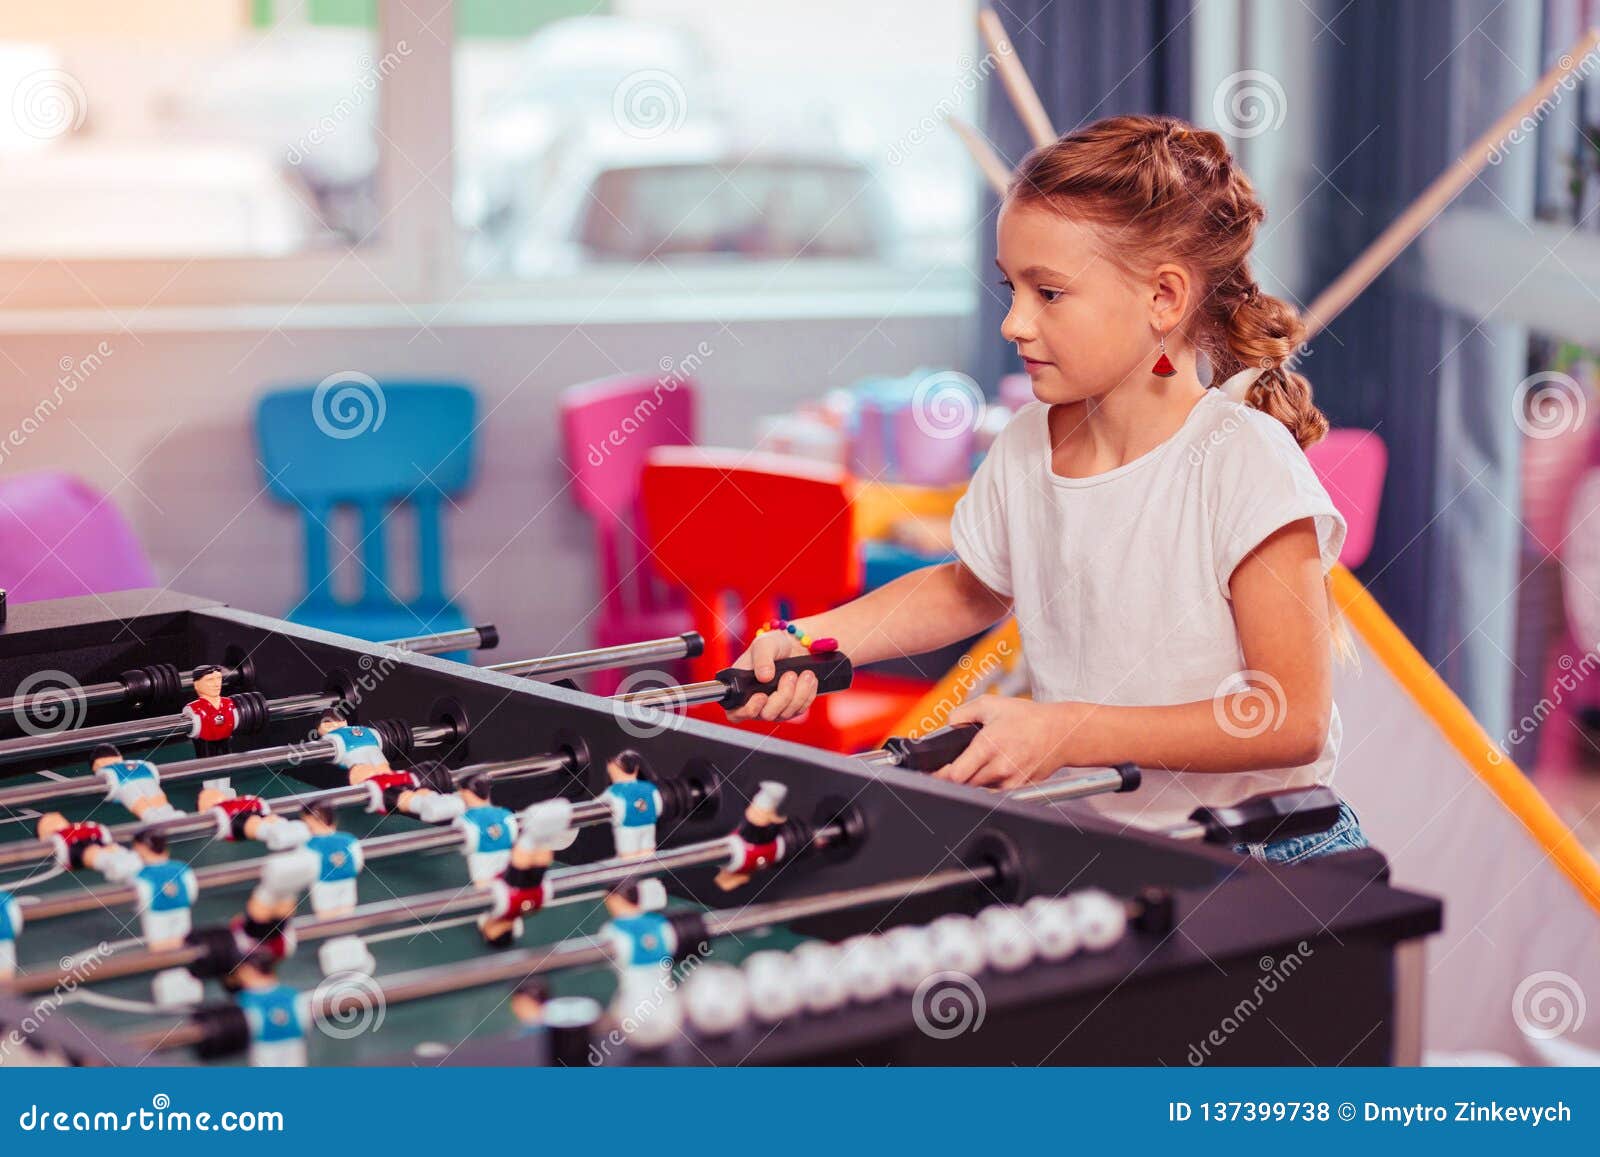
[[794, 693], [1022, 742]]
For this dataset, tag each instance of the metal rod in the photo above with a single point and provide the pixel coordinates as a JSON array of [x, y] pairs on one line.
[[241, 871], [116, 690], [681, 695], [153, 731], [723, 923], [600, 658], [440, 979], [466, 639], [1098, 782], [400, 910], [113, 691], [310, 751], [458, 976], [219, 876], [186, 826], [85, 785]]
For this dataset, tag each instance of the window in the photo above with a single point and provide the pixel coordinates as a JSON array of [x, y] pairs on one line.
[[688, 133], [187, 129], [194, 153]]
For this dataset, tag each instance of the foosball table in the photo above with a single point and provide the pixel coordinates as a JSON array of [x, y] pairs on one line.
[[228, 838]]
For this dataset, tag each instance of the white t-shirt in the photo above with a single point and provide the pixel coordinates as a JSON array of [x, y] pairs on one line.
[[1119, 582]]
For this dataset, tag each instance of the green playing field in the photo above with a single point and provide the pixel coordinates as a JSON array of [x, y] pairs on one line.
[[427, 1030]]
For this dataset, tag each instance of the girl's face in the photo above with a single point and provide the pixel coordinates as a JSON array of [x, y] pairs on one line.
[[1081, 327]]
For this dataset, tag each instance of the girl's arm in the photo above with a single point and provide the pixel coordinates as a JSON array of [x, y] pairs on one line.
[[917, 612], [1280, 607], [921, 611]]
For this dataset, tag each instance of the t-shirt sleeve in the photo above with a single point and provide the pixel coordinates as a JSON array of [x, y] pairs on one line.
[[978, 526], [1260, 482]]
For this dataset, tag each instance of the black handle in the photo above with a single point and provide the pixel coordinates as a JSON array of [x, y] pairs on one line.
[[832, 669], [1273, 815], [694, 644], [1132, 777], [934, 750]]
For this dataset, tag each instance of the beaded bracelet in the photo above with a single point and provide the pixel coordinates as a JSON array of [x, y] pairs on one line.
[[815, 646]]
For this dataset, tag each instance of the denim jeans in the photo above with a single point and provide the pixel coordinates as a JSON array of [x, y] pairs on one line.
[[1345, 835]]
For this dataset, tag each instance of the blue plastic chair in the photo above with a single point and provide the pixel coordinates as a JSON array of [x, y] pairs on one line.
[[353, 442]]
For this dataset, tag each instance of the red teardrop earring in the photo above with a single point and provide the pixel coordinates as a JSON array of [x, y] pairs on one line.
[[1164, 367]]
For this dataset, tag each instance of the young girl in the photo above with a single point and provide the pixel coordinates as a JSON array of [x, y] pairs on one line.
[[1163, 546]]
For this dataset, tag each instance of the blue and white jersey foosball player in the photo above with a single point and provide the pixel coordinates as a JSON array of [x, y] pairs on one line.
[[488, 832], [354, 746], [643, 943], [167, 890], [278, 1017], [338, 861], [10, 929], [635, 805], [133, 783]]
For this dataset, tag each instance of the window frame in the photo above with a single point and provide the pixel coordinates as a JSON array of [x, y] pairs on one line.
[[412, 273]]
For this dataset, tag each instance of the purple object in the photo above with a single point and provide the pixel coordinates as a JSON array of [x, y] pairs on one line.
[[1016, 391], [59, 538], [918, 430], [607, 429]]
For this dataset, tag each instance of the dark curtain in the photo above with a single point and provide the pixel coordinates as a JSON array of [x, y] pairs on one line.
[[1428, 76]]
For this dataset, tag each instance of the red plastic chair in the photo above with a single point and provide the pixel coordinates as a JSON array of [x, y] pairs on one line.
[[607, 428], [1351, 465], [753, 529]]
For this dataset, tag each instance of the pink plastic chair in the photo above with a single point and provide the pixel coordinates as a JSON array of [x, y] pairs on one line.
[[1351, 465], [607, 429], [60, 537]]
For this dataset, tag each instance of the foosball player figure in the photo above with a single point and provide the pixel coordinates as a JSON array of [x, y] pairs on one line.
[[488, 833], [285, 876], [167, 890], [276, 1014], [758, 843], [357, 750], [133, 783], [635, 805], [544, 828], [10, 929], [527, 1004], [642, 943], [86, 845], [339, 861], [425, 792], [249, 817], [212, 715]]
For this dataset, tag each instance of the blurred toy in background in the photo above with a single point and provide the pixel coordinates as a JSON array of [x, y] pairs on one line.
[[927, 428], [911, 442], [1559, 607]]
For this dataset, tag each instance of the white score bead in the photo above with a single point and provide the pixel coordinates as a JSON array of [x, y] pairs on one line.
[[1051, 923], [957, 945], [1007, 943], [654, 1016], [715, 999], [821, 985], [772, 981], [910, 952], [1100, 917], [867, 969]]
